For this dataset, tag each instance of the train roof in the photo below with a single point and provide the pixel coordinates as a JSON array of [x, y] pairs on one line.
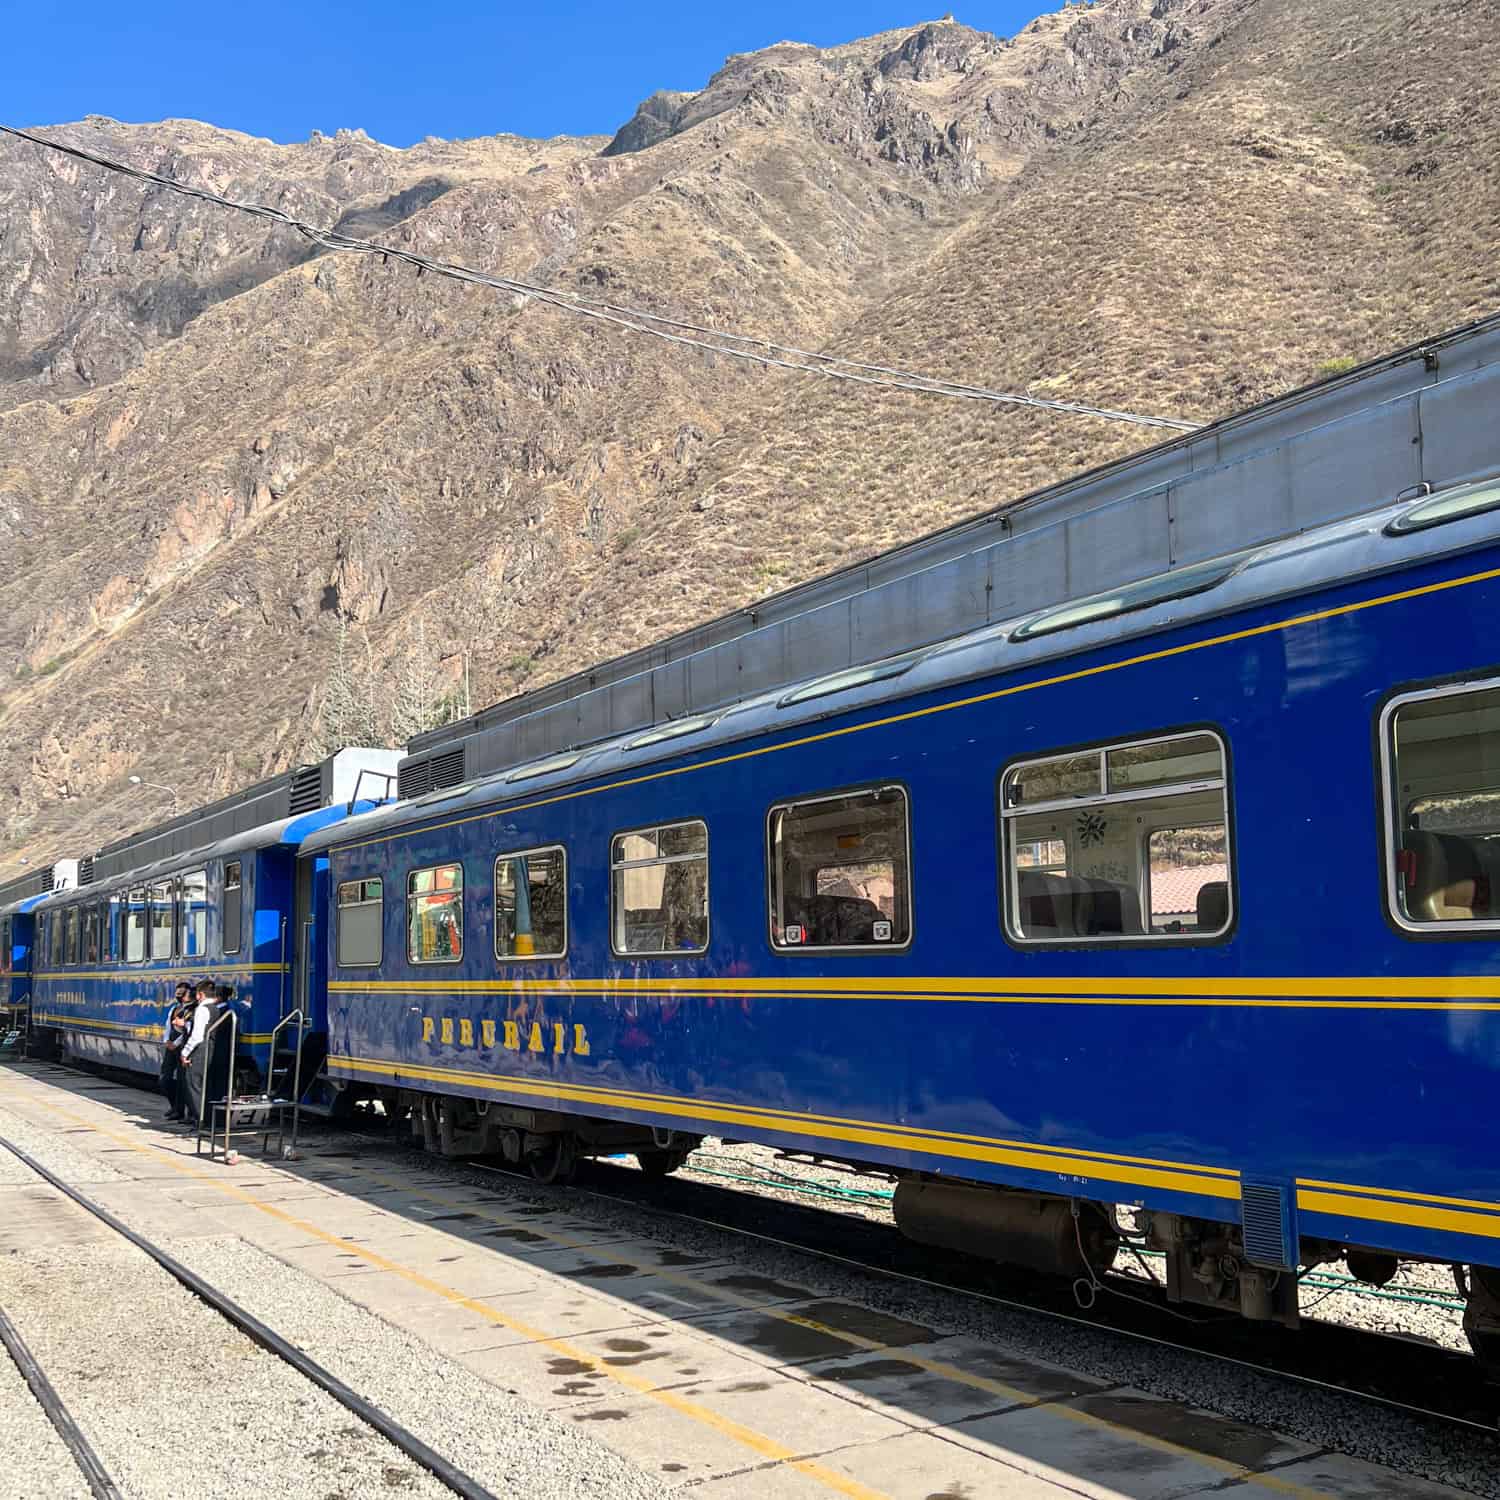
[[15, 908], [1452, 521], [287, 832], [252, 810], [1418, 419], [14, 893]]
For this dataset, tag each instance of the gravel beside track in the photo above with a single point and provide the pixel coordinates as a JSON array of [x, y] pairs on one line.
[[35, 1463], [501, 1440], [49, 1148], [177, 1402]]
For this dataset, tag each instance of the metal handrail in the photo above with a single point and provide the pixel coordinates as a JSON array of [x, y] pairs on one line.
[[281, 970], [386, 776], [25, 1000], [300, 1018], [208, 1037]]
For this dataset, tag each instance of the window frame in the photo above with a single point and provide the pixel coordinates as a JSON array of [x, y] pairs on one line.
[[792, 950], [238, 890], [339, 908], [647, 955], [90, 919], [151, 907], [1427, 932], [511, 958], [137, 897], [463, 931], [1146, 938], [185, 913], [112, 927], [72, 934]]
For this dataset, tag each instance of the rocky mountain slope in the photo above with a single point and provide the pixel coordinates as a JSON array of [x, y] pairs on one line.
[[221, 449]]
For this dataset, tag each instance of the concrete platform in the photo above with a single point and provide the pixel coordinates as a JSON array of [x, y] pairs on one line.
[[705, 1375]]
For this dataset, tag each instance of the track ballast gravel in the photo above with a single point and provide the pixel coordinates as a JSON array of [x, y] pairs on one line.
[[175, 1400], [502, 1441], [36, 1462]]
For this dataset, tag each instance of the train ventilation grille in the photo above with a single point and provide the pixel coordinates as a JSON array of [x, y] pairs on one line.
[[1268, 1222], [415, 778], [86, 871], [447, 769], [306, 792]]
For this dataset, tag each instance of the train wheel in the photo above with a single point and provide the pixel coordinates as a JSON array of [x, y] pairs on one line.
[[557, 1161], [660, 1163]]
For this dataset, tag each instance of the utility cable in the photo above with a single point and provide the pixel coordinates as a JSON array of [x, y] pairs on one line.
[[747, 347]]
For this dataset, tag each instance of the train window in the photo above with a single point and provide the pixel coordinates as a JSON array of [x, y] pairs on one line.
[[110, 937], [435, 915], [531, 904], [135, 927], [659, 889], [1185, 873], [233, 907], [361, 921], [70, 935], [161, 920], [1442, 777], [4, 945], [1050, 856], [55, 940], [1126, 843], [840, 871], [192, 914], [91, 934]]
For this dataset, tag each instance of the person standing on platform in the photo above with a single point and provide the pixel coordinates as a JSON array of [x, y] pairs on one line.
[[195, 1074], [174, 1034]]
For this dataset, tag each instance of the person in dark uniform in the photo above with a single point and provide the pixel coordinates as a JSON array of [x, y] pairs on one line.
[[174, 1034]]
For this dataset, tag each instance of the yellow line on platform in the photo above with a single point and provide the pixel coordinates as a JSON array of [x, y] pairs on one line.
[[758, 1442]]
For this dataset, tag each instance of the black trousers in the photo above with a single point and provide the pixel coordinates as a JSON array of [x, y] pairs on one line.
[[168, 1077]]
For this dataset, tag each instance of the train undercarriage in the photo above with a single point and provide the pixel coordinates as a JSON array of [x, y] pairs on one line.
[[1206, 1260], [549, 1144]]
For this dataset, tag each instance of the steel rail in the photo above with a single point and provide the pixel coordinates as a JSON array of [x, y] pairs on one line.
[[411, 1445], [101, 1486]]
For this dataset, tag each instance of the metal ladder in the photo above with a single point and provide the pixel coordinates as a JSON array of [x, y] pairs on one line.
[[279, 1107], [227, 1103]]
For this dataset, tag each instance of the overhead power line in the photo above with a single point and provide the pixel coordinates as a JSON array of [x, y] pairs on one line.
[[741, 346]]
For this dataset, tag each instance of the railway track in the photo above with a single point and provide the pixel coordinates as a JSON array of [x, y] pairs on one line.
[[101, 1485], [95, 1475]]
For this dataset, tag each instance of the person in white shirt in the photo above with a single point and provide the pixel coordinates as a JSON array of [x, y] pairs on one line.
[[207, 994], [196, 1078]]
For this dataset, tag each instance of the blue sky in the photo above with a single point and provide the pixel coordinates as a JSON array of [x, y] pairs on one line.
[[402, 70]]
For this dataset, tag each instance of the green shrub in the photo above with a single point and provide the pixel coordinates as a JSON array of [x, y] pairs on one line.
[[1335, 366]]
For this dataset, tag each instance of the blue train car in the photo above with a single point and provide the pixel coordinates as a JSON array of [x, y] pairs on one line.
[[205, 896], [18, 899], [1178, 896]]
